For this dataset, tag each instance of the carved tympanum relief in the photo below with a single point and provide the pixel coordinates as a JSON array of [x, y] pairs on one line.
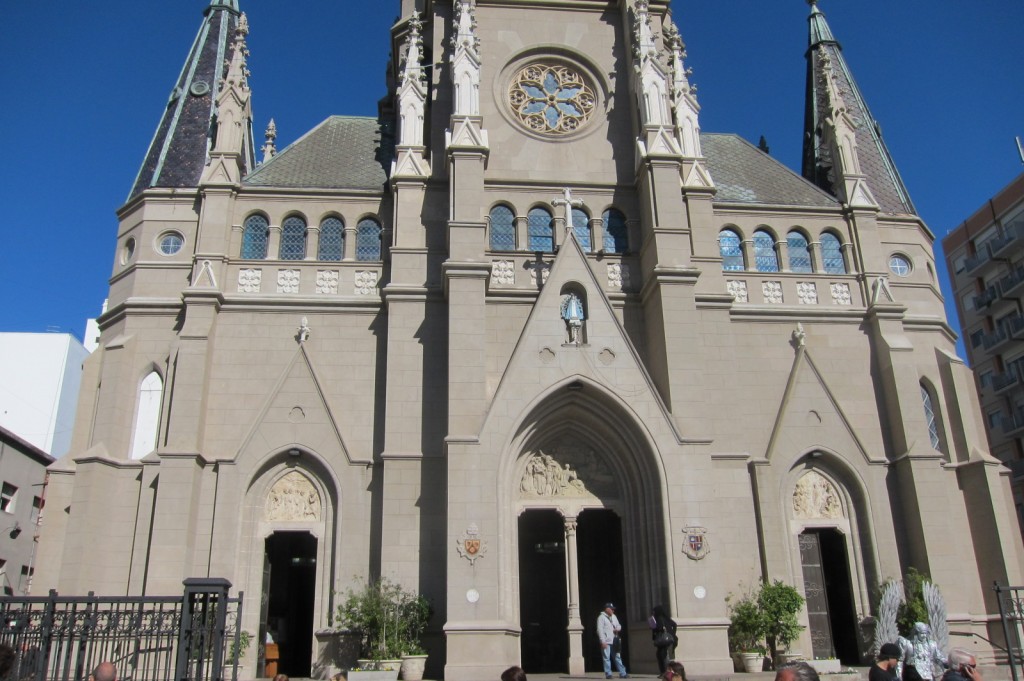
[[293, 498], [566, 472], [816, 497]]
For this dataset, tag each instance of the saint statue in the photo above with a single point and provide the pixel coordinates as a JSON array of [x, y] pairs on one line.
[[572, 313]]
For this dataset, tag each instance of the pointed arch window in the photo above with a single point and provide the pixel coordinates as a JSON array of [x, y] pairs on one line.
[[147, 415], [293, 239], [799, 253], [503, 228], [731, 249], [254, 238], [540, 230], [931, 418], [332, 240], [765, 257], [581, 228], [368, 233], [614, 237], [832, 254]]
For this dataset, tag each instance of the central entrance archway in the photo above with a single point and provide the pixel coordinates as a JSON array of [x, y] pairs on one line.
[[289, 593], [602, 579]]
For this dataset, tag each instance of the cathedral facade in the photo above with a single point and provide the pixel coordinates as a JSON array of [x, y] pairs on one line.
[[527, 342]]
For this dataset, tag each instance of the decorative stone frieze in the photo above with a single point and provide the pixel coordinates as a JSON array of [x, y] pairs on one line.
[[737, 288], [815, 497], [772, 291], [293, 498], [503, 273], [288, 281], [807, 292], [327, 282], [250, 280], [841, 293], [365, 282]]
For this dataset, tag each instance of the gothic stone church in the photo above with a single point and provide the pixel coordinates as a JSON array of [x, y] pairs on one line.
[[528, 341]]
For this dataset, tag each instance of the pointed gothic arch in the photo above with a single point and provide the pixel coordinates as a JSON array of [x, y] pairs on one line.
[[148, 414]]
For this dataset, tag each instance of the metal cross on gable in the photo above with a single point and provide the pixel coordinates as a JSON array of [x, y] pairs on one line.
[[568, 202]]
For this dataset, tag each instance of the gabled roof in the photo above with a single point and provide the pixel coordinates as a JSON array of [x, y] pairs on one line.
[[178, 152], [875, 161], [745, 174], [343, 152]]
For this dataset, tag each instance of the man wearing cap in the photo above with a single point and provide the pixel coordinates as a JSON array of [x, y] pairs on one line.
[[608, 629], [888, 658]]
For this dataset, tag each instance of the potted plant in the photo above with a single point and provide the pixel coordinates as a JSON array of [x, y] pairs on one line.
[[746, 630], [390, 622], [779, 605], [237, 651]]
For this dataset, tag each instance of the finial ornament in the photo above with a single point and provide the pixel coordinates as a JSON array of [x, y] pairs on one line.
[[269, 149], [465, 62], [412, 92]]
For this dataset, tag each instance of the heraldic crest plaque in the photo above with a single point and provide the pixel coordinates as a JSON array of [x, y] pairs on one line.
[[695, 542], [470, 545]]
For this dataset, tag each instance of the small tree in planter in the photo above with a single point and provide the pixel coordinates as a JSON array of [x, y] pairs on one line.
[[779, 605], [389, 620], [746, 630]]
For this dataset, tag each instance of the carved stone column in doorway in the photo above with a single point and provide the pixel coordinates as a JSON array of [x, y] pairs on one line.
[[573, 581]]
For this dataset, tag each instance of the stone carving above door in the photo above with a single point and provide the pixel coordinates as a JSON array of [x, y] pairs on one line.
[[293, 498], [566, 472], [815, 497]]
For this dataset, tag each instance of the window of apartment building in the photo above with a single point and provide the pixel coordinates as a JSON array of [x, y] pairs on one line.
[[7, 495], [976, 337], [8, 590], [985, 379], [959, 264], [37, 509], [967, 301], [26, 578], [993, 418]]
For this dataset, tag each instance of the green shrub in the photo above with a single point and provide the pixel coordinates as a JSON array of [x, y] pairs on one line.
[[779, 605], [389, 619]]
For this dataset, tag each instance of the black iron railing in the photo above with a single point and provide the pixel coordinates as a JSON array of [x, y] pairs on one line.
[[1011, 611]]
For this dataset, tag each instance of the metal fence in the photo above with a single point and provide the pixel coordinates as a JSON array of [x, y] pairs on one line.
[[1011, 611], [148, 638]]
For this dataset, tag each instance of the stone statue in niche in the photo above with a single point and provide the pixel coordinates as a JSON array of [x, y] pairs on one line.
[[293, 498], [569, 472], [574, 316], [816, 497]]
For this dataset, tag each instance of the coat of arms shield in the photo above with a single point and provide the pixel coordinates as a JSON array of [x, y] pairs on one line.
[[695, 544]]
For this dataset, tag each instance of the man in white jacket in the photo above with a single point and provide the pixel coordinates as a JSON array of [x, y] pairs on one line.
[[608, 629]]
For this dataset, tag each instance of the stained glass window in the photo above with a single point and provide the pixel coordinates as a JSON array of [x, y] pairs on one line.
[[832, 254], [332, 240], [899, 265], [293, 239], [929, 417], [254, 238], [581, 228], [551, 99], [540, 230], [799, 254], [614, 235], [368, 239], [503, 229], [731, 249], [171, 243], [765, 257]]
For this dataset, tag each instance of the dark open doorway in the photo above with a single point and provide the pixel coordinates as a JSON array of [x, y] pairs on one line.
[[830, 607], [542, 593], [599, 542], [290, 592]]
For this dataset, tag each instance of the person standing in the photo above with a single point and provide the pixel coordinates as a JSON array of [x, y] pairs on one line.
[[608, 629], [888, 659], [663, 634]]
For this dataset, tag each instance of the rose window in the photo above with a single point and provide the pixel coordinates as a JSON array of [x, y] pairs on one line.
[[551, 99]]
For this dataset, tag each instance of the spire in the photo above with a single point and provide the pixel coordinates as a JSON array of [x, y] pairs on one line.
[[412, 90], [232, 143], [177, 154], [465, 63], [683, 94], [269, 149], [843, 149]]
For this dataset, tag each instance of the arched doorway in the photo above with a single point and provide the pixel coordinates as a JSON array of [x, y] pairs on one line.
[[543, 592], [289, 588]]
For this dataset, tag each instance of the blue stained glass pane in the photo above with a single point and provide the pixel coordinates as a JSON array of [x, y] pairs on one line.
[[832, 254], [503, 229], [550, 83], [568, 109], [614, 238], [254, 238], [567, 93], [540, 231], [534, 107], [332, 240], [765, 258], [799, 255], [581, 228], [534, 92], [731, 250], [551, 114], [368, 240], [293, 239]]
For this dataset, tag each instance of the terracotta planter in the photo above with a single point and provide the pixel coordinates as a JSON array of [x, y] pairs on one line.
[[413, 667]]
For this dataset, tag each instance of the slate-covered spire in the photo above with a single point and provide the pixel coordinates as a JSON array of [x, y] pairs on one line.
[[831, 89], [179, 150]]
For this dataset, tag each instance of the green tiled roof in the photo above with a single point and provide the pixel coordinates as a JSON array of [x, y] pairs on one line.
[[343, 152]]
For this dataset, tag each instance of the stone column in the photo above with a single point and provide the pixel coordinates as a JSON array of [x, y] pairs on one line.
[[522, 233], [349, 247], [274, 243], [312, 242], [782, 253], [573, 581]]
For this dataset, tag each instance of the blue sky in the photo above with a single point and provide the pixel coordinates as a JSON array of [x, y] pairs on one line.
[[84, 85]]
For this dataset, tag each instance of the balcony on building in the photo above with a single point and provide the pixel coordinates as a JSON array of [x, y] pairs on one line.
[[1002, 242], [1013, 425], [975, 262], [995, 339], [1006, 381], [1016, 468], [986, 297], [1012, 285]]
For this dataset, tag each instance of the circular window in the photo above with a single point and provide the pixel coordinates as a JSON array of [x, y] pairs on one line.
[[550, 99], [199, 88], [899, 265], [170, 243], [128, 252]]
